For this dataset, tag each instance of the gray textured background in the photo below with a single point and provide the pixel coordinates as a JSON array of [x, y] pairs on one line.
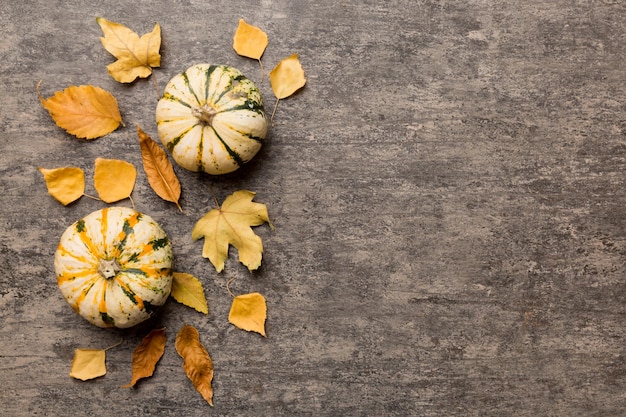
[[448, 196]]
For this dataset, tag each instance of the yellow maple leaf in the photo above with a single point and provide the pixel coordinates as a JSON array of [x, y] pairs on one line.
[[196, 361], [88, 364], [136, 56], [286, 78], [65, 184], [232, 224], [187, 290], [146, 355], [249, 41], [85, 111], [248, 312], [114, 179]]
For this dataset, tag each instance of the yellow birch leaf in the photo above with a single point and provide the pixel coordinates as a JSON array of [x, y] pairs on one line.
[[86, 112], [187, 290], [147, 355], [65, 184], [287, 77], [88, 364], [136, 56], [158, 169], [114, 179], [232, 224], [196, 361], [249, 41], [248, 312]]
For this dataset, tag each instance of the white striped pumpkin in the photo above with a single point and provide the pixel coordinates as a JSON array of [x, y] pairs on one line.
[[211, 119], [114, 267]]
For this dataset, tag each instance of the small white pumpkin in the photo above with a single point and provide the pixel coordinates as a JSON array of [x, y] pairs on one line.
[[114, 267], [211, 119]]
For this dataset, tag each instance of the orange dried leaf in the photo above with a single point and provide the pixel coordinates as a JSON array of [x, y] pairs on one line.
[[232, 224], [88, 364], [287, 77], [187, 290], [158, 169], [136, 56], [86, 112], [196, 361], [147, 355], [248, 312], [66, 184], [114, 179], [249, 41]]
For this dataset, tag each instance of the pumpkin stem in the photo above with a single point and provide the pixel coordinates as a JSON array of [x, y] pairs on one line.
[[205, 114], [108, 268]]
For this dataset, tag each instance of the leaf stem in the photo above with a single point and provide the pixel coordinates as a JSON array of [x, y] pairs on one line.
[[115, 345], [228, 286], [274, 111]]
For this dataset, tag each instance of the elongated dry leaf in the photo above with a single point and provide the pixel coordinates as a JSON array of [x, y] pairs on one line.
[[114, 179], [232, 224], [65, 184], [248, 312], [88, 364], [249, 41], [86, 112], [136, 56], [287, 77], [196, 361], [147, 355], [188, 290], [159, 169]]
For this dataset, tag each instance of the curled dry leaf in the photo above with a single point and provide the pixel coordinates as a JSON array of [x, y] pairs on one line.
[[158, 169], [147, 355], [86, 112], [196, 361], [232, 224], [187, 290], [249, 41], [114, 179], [88, 364], [136, 56], [248, 312], [65, 184]]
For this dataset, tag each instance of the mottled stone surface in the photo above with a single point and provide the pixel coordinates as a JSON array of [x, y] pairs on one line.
[[447, 193]]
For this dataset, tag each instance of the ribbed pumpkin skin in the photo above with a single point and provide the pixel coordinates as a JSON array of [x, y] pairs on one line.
[[211, 119], [126, 245]]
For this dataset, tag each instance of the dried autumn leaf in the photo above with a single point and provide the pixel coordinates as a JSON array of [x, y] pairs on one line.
[[88, 364], [146, 355], [187, 290], [114, 179], [86, 112], [248, 312], [249, 41], [136, 56], [158, 169], [65, 184], [196, 361], [232, 224], [287, 77]]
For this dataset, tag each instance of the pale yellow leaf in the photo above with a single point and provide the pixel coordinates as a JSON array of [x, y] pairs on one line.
[[88, 364], [158, 169], [86, 112], [65, 184], [231, 224], [248, 312], [146, 355], [136, 56], [249, 41], [287, 77], [114, 179], [188, 290], [196, 361]]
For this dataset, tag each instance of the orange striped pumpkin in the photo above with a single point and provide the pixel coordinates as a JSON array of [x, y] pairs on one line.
[[114, 267]]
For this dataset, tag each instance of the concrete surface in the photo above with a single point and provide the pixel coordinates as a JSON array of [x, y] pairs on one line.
[[448, 195]]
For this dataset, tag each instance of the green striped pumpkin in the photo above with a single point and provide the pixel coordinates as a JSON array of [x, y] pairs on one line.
[[211, 119], [114, 267]]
